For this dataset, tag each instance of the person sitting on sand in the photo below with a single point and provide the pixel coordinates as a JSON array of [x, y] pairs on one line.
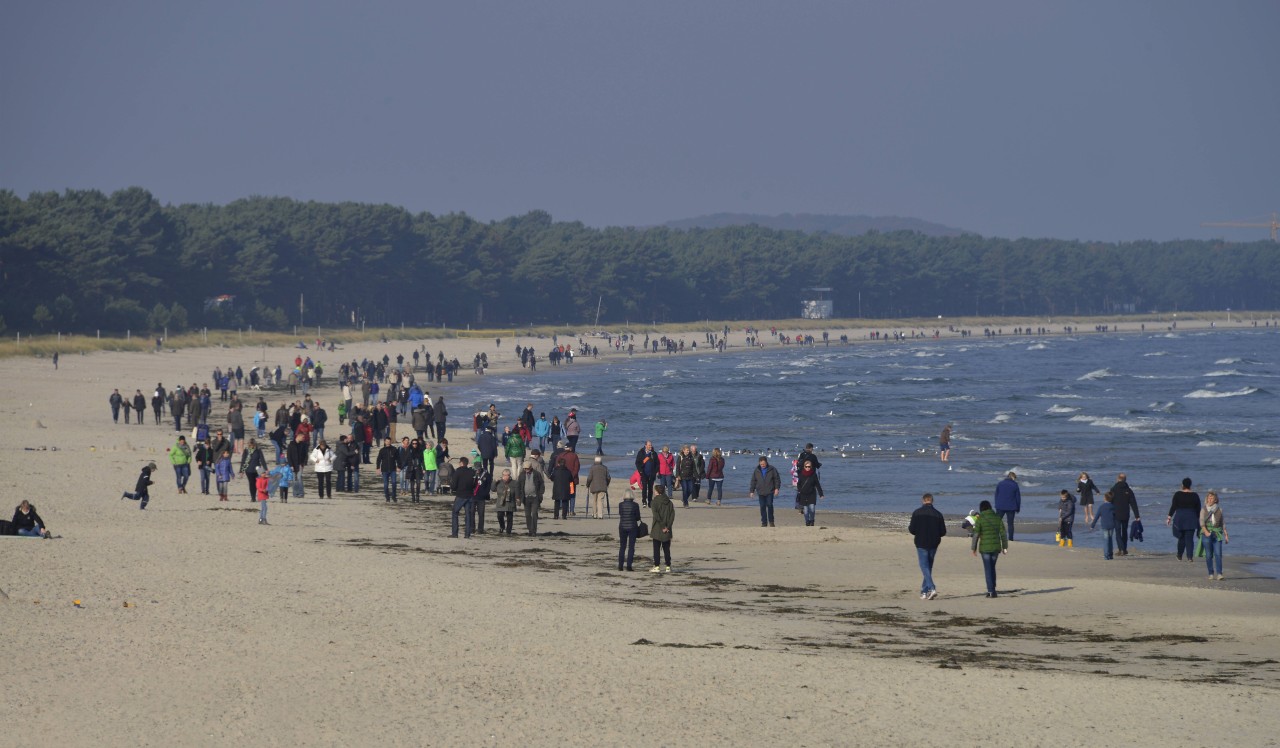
[[27, 522]]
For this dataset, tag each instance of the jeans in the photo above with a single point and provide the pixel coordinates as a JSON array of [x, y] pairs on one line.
[[600, 446], [626, 547], [296, 487], [669, 482], [1108, 538], [204, 479], [665, 547], [686, 488], [462, 505], [989, 569], [1213, 553], [354, 482], [926, 556], [389, 483], [1122, 535], [429, 481], [1187, 541], [766, 509], [1008, 516], [34, 532], [809, 511], [182, 473], [262, 509], [715, 487]]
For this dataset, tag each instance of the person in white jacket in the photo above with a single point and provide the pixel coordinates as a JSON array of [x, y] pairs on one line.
[[322, 464]]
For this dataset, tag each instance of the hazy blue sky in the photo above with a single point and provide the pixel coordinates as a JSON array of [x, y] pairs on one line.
[[1093, 120]]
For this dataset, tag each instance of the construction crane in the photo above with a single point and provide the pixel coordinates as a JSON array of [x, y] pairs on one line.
[[1274, 225]]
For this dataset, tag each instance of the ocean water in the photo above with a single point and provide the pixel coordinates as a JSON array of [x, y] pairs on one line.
[[1159, 407]]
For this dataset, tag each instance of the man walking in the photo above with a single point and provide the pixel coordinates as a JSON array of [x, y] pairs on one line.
[[598, 487], [1125, 504], [464, 488], [765, 484], [647, 466], [1008, 500], [529, 490], [928, 527]]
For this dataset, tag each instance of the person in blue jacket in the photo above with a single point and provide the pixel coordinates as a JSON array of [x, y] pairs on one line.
[[1106, 515], [1008, 500]]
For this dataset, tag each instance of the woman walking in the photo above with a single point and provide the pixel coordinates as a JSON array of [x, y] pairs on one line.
[[715, 476], [414, 469], [1184, 519], [1086, 488], [989, 539], [504, 502], [1215, 533], [664, 516], [322, 459], [808, 491], [687, 469]]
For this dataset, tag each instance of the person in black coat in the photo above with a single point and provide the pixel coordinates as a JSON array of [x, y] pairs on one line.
[[928, 527], [561, 485], [628, 522], [140, 493], [464, 489], [27, 522], [529, 490], [298, 455], [1125, 503]]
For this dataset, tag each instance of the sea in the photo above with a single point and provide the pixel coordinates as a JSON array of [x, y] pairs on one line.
[[1158, 406]]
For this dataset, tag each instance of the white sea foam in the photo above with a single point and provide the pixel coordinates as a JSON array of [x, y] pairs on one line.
[[1062, 409], [1199, 394], [1235, 445], [1096, 374], [1001, 418], [1228, 361], [1061, 396], [1038, 347], [1225, 373], [1156, 353], [1134, 425]]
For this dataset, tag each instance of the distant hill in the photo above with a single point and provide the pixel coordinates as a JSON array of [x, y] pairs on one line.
[[814, 223]]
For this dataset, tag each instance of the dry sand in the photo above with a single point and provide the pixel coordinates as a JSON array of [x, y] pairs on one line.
[[350, 621]]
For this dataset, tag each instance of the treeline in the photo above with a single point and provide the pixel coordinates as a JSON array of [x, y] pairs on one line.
[[83, 260]]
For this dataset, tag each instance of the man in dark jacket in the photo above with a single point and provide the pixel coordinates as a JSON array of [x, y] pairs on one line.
[[487, 447], [297, 455], [647, 466], [442, 414], [388, 463], [464, 488], [529, 491], [1008, 500], [765, 485], [116, 400], [928, 527], [1125, 504], [341, 464]]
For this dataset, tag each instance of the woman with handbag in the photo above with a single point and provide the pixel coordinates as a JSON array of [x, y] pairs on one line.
[[628, 530]]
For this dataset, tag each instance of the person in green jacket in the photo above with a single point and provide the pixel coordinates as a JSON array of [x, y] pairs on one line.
[[515, 450], [180, 458], [430, 464], [601, 425], [664, 516], [989, 539]]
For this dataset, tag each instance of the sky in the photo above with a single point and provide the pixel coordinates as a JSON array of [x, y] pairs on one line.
[[1104, 121]]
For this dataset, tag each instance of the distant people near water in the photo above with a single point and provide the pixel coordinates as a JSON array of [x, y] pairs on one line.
[[808, 492], [928, 528], [1213, 531], [1086, 488], [944, 444], [1066, 518], [989, 540], [1008, 500], [1126, 506], [1184, 519]]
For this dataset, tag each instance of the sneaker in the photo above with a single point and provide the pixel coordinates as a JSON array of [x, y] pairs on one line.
[[1220, 577], [655, 570], [262, 522], [933, 594], [1210, 577], [924, 595], [667, 570]]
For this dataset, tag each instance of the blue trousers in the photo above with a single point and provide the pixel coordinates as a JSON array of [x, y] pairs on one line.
[[766, 509], [462, 505], [989, 569], [1008, 516], [926, 556], [626, 547]]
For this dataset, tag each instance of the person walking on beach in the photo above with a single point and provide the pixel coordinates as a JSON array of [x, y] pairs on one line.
[[598, 487], [1214, 534], [664, 516], [1066, 518], [504, 502], [687, 469], [601, 425], [139, 406], [715, 476], [140, 490], [1008, 499], [561, 487], [1184, 519], [944, 444], [928, 526], [322, 458], [441, 415], [572, 429], [180, 458], [1106, 516], [388, 464], [628, 525], [1126, 506], [252, 464], [1086, 488], [297, 456], [116, 400], [989, 539], [647, 467], [667, 470], [529, 491], [464, 489], [223, 474], [765, 485], [808, 491]]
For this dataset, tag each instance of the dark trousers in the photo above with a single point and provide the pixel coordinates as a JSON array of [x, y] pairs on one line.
[[531, 517], [989, 569], [477, 510], [1008, 516], [560, 505], [1187, 540], [324, 484], [665, 547], [573, 442], [646, 488], [415, 489], [389, 481], [766, 509], [251, 477], [627, 547], [140, 496], [1122, 535], [506, 522], [462, 505], [686, 490], [439, 430]]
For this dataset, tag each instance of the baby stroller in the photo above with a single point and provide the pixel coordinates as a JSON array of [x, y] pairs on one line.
[[444, 478]]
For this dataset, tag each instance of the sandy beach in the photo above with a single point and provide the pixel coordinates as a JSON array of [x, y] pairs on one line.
[[351, 621]]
